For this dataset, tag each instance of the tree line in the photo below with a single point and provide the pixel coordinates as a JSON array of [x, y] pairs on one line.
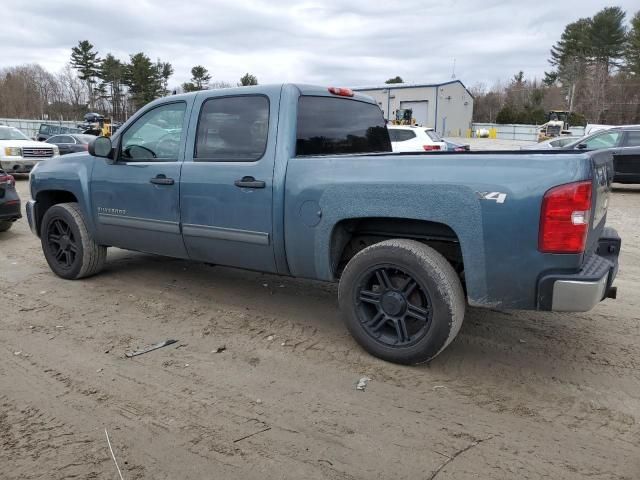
[[595, 74], [89, 82]]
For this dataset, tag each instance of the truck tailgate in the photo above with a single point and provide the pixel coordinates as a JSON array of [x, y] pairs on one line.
[[603, 173]]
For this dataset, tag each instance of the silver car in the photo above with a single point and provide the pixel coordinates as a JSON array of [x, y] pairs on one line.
[[557, 142]]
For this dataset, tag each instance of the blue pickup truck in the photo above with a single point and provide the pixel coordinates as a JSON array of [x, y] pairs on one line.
[[300, 180]]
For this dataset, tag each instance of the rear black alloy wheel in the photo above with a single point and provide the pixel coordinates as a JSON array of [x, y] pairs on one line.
[[401, 300], [393, 307], [62, 243]]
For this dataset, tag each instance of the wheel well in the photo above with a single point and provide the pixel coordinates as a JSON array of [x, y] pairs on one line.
[[47, 199], [353, 235]]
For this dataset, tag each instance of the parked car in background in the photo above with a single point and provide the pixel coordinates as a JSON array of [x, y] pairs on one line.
[[9, 201], [626, 164], [626, 136], [456, 147], [19, 154], [71, 143], [557, 142], [409, 138], [48, 130]]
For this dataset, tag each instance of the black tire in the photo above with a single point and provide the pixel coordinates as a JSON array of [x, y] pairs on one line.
[[5, 225], [68, 246], [402, 301]]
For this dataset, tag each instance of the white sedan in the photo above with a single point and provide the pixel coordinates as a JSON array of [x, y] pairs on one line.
[[18, 154], [406, 138]]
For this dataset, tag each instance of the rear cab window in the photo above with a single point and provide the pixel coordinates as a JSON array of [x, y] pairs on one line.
[[433, 135], [335, 126], [398, 135]]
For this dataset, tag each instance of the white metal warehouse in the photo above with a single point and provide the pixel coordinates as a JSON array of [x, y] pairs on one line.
[[447, 107]]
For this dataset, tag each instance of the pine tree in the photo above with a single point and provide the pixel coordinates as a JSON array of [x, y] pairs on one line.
[[85, 59], [199, 79], [143, 79], [632, 47], [248, 79], [165, 70], [111, 75], [607, 36]]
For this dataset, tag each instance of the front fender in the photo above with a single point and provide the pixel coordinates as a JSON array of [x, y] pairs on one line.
[[69, 173]]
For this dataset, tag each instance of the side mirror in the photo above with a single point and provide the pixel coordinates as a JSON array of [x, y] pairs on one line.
[[101, 147], [581, 146]]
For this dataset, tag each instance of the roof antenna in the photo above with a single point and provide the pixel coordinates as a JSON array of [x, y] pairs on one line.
[[453, 71]]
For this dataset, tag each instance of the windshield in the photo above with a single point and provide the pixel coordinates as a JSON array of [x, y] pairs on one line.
[[604, 139], [12, 134]]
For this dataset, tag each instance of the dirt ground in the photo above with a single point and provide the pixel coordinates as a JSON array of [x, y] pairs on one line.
[[518, 395]]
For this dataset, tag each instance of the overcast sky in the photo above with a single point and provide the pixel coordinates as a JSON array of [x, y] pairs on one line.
[[359, 42]]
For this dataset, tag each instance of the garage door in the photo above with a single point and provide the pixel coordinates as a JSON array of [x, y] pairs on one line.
[[420, 111]]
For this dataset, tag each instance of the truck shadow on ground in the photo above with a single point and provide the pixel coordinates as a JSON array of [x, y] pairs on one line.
[[625, 188], [513, 343]]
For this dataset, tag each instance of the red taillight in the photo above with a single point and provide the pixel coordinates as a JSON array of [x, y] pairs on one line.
[[430, 148], [7, 180], [564, 218], [343, 92], [85, 146]]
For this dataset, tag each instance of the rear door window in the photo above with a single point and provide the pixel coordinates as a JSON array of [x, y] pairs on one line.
[[603, 140], [633, 139], [232, 129], [333, 126]]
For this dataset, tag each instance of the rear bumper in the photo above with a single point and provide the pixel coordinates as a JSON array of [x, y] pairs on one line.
[[581, 291], [10, 209]]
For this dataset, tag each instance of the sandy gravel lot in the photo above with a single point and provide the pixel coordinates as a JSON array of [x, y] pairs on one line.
[[519, 395]]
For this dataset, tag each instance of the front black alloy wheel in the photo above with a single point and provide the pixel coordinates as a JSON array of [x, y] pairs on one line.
[[393, 307], [69, 248], [62, 243]]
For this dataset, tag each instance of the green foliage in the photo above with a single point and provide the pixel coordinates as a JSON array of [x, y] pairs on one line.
[[85, 59], [574, 44], [577, 120], [632, 48], [550, 78], [519, 77], [607, 36], [248, 79], [111, 74], [143, 79], [396, 79], [529, 115], [165, 70], [506, 115], [199, 79]]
